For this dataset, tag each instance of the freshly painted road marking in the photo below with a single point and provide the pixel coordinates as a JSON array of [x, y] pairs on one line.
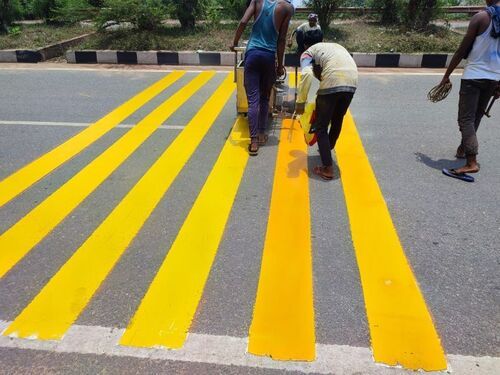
[[16, 183], [283, 318], [80, 124], [227, 350], [18, 240], [401, 327], [61, 301], [167, 310]]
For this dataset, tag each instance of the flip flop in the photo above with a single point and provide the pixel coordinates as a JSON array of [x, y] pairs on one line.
[[461, 176], [317, 170], [253, 152], [265, 138]]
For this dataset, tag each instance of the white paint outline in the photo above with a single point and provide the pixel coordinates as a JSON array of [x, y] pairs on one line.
[[227, 350]]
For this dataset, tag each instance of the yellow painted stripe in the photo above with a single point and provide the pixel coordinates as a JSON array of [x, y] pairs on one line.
[[16, 183], [283, 317], [61, 301], [17, 241], [168, 308], [401, 328]]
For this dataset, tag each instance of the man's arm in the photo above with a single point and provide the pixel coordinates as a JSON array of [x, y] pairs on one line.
[[477, 22], [243, 23], [291, 37], [305, 82], [283, 30]]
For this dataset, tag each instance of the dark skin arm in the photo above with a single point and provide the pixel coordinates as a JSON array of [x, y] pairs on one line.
[[283, 15], [243, 23], [284, 12], [478, 24]]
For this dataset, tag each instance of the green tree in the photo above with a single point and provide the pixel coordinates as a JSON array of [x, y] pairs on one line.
[[390, 10], [325, 10], [233, 9], [187, 11], [143, 14], [419, 13], [10, 10]]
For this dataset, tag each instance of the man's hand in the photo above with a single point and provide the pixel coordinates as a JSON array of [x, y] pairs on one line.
[[445, 80]]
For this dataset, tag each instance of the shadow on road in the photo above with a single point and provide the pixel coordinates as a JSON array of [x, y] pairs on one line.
[[438, 164]]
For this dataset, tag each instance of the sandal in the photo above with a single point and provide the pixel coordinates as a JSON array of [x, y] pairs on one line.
[[262, 139], [253, 148], [319, 171]]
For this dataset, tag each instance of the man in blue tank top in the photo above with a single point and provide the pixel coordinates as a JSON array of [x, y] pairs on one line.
[[480, 80], [266, 44]]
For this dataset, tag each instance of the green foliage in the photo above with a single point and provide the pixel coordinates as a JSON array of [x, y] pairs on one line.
[[419, 13], [71, 11], [233, 9], [187, 11], [10, 10], [325, 10], [213, 12], [143, 14], [391, 11]]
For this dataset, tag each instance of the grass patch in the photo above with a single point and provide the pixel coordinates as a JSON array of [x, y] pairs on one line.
[[37, 36], [372, 37], [358, 36]]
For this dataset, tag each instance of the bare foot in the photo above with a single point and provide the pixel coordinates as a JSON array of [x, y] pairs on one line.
[[467, 169]]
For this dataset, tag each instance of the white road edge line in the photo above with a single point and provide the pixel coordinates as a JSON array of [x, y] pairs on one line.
[[80, 124], [226, 350]]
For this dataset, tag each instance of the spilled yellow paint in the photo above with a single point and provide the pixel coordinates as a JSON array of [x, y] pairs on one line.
[[168, 308], [401, 327], [16, 183]]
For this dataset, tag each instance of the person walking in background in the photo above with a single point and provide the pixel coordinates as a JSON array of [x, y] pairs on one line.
[[265, 46], [337, 72], [480, 81], [307, 33]]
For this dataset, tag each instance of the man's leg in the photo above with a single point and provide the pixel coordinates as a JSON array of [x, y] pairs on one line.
[[343, 100], [467, 109], [487, 89], [324, 109], [252, 88], [267, 79]]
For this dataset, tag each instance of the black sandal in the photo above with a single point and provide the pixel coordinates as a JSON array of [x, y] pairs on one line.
[[253, 148]]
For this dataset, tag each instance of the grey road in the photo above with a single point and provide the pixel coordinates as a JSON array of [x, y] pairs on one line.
[[449, 230]]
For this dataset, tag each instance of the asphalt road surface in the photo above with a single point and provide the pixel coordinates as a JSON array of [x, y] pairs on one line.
[[137, 236]]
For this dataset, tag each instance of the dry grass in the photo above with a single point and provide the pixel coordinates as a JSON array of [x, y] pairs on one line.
[[37, 36], [357, 36]]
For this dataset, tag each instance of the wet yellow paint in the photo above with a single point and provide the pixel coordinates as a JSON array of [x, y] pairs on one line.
[[61, 301], [401, 327], [168, 308], [18, 240], [16, 183], [283, 318]]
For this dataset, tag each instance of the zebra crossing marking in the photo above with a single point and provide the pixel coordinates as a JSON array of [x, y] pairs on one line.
[[16, 183], [401, 327], [19, 239], [167, 310]]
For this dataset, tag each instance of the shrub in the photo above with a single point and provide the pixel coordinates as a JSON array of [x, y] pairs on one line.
[[325, 10], [233, 9], [187, 11], [71, 11], [419, 13], [390, 10], [143, 14], [10, 10]]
